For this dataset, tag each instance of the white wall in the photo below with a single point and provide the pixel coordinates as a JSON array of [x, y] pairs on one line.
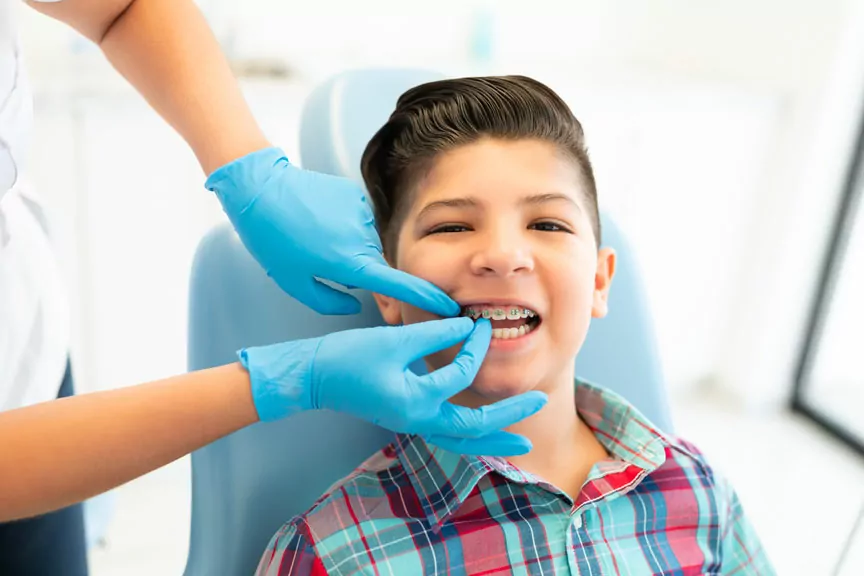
[[719, 133], [791, 225], [795, 69]]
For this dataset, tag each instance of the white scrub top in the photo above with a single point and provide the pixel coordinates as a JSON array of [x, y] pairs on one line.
[[34, 320]]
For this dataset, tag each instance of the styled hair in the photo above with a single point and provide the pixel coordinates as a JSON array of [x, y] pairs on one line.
[[439, 116]]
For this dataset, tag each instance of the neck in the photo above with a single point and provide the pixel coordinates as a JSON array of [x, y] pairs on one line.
[[565, 448], [555, 431]]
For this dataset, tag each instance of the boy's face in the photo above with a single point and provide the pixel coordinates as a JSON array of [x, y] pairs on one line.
[[500, 225]]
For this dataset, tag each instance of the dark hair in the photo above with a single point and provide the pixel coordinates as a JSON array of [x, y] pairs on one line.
[[439, 116]]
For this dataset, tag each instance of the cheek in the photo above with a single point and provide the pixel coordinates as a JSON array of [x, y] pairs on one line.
[[429, 261], [570, 286], [433, 271], [412, 315]]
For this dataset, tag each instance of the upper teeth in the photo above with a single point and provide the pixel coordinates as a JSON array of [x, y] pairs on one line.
[[506, 313]]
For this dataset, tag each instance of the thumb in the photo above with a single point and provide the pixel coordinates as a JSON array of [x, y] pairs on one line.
[[448, 381], [424, 338]]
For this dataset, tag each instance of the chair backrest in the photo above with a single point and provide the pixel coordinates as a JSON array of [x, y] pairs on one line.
[[247, 484]]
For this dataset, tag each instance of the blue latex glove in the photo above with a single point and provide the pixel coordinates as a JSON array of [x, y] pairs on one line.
[[366, 373], [302, 225]]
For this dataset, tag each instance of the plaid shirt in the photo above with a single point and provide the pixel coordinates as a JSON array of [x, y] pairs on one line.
[[654, 507]]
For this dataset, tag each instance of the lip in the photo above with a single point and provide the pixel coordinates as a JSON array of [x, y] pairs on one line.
[[499, 302]]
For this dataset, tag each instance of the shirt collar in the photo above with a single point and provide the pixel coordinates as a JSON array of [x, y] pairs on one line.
[[624, 431], [443, 479]]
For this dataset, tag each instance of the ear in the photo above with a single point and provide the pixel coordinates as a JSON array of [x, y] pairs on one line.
[[603, 281], [390, 308]]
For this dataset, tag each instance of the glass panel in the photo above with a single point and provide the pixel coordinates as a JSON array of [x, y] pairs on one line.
[[834, 386]]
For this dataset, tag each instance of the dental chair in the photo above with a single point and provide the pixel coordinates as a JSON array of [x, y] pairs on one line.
[[245, 486]]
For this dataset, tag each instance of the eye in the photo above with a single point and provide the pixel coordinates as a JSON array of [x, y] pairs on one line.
[[448, 229], [548, 226]]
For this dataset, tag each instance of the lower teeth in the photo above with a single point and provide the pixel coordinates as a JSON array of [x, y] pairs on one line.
[[508, 333]]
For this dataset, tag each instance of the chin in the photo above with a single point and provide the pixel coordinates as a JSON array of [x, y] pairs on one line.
[[496, 383]]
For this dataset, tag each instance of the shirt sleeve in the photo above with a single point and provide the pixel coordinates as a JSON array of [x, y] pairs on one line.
[[291, 552], [741, 550]]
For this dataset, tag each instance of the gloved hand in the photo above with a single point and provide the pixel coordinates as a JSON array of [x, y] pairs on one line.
[[302, 225], [366, 373]]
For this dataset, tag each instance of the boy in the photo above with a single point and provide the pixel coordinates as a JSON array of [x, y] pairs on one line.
[[483, 186]]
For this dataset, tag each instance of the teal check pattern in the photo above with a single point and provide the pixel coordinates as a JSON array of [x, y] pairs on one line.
[[654, 507]]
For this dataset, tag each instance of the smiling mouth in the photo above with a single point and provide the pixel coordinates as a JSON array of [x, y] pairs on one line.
[[508, 322]]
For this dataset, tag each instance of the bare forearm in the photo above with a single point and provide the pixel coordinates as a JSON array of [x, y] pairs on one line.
[[61, 452], [166, 50]]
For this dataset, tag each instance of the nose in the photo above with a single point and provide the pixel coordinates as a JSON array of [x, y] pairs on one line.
[[503, 252]]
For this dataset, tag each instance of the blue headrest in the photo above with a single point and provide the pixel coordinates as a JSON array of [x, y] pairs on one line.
[[246, 485], [342, 115], [620, 351]]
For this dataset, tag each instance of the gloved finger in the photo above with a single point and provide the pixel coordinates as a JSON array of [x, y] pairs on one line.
[[382, 279], [425, 338], [321, 298], [500, 444], [449, 380], [465, 422]]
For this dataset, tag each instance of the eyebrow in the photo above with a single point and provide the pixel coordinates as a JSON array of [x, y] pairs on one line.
[[465, 202], [550, 197], [471, 202]]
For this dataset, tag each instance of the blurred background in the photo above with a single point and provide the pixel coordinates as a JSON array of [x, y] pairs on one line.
[[727, 141]]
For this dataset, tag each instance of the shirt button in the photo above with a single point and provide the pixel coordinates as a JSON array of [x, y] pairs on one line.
[[577, 522]]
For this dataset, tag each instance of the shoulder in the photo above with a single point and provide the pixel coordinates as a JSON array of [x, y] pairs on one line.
[[687, 464], [377, 496], [687, 469], [301, 545], [378, 490], [291, 552], [683, 454]]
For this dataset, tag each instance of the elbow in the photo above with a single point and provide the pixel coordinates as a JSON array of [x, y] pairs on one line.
[[93, 20], [111, 20]]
